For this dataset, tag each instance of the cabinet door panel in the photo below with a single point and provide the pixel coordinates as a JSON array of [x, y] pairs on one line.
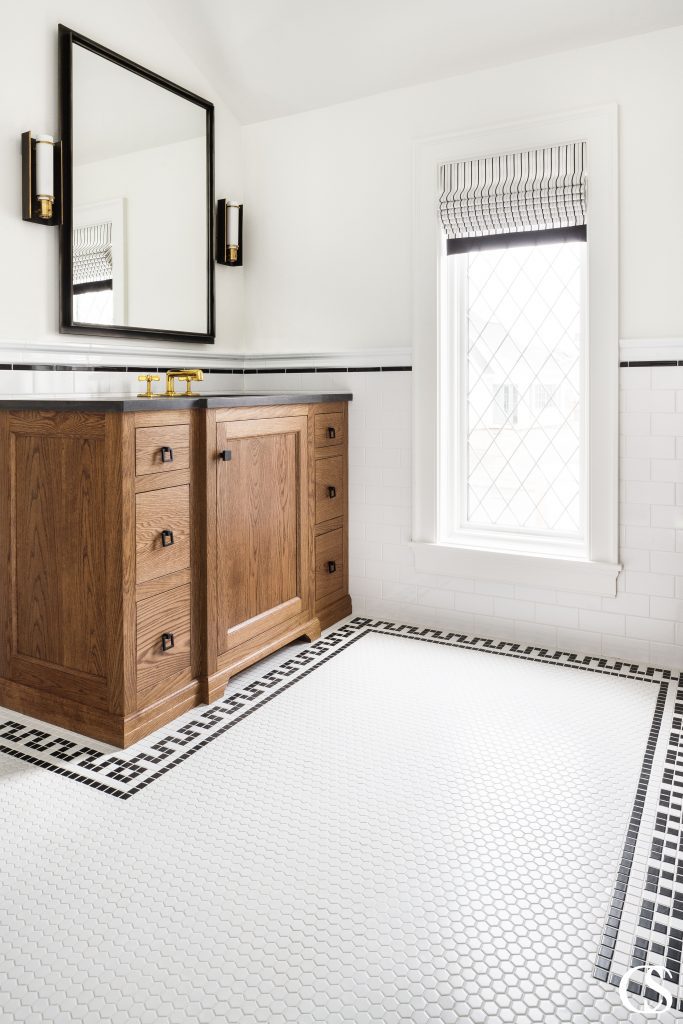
[[261, 500], [59, 560]]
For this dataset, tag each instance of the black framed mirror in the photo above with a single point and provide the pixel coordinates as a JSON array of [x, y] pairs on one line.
[[136, 237]]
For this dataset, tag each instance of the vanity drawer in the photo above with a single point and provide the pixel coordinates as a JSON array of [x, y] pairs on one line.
[[163, 644], [162, 449], [329, 429], [329, 565], [329, 488], [162, 532]]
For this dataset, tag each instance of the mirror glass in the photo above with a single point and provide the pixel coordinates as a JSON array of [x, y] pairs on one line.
[[139, 213]]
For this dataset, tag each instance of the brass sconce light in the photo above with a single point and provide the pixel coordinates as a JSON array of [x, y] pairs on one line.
[[41, 182], [229, 233]]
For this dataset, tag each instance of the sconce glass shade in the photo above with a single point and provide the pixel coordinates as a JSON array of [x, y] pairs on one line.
[[45, 178]]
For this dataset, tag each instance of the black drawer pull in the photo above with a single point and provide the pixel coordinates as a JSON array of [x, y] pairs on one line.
[[331, 567], [167, 641], [331, 492], [226, 455], [331, 433], [167, 538], [166, 453]]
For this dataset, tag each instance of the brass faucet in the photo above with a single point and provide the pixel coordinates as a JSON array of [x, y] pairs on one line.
[[186, 375]]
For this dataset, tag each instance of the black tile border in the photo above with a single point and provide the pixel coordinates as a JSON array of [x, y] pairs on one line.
[[175, 745], [242, 371], [605, 955], [650, 362]]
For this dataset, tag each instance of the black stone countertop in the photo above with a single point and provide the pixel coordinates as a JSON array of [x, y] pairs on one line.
[[131, 403]]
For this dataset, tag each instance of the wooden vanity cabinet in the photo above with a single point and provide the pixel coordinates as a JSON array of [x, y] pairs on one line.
[[149, 556]]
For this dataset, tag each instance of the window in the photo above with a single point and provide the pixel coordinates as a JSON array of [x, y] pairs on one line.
[[515, 353], [515, 455]]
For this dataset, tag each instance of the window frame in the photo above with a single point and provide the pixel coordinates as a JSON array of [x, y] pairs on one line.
[[596, 570]]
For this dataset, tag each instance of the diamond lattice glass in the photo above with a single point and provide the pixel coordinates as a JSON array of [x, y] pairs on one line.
[[523, 378]]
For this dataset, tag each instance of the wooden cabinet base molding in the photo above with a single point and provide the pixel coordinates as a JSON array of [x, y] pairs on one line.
[[148, 557]]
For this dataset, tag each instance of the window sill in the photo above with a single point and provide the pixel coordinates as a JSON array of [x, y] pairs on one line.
[[578, 575]]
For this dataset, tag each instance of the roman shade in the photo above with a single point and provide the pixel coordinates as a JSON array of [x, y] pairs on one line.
[[538, 195], [92, 255]]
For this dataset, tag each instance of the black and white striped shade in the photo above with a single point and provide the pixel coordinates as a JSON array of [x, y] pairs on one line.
[[514, 194], [92, 255]]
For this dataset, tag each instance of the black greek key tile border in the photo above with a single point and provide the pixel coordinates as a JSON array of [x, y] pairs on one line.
[[123, 774]]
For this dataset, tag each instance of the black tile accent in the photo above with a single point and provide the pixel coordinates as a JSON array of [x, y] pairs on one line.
[[131, 772], [652, 362], [241, 371]]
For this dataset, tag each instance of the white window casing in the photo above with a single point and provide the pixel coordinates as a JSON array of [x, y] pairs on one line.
[[591, 567]]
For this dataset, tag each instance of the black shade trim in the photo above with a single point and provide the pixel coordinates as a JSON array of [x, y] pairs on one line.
[[651, 362], [93, 286], [550, 236]]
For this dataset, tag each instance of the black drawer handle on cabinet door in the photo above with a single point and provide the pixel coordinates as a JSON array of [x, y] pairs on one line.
[[166, 453], [331, 492], [331, 567], [167, 538], [331, 433], [167, 641], [225, 455]]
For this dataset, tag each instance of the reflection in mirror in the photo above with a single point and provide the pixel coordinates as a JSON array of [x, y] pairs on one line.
[[139, 162]]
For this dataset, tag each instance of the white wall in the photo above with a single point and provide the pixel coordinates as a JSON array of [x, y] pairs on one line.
[[28, 86], [328, 193]]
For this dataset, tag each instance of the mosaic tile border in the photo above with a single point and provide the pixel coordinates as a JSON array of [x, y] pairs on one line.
[[653, 934], [123, 774]]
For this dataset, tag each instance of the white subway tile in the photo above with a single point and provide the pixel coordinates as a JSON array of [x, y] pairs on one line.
[[536, 634], [635, 378], [16, 382], [666, 516], [383, 457], [539, 595], [667, 423], [494, 589], [650, 629], [637, 423], [667, 469], [646, 400], [557, 615], [635, 469], [650, 538], [399, 592], [513, 609], [661, 584], [602, 622], [494, 628], [627, 604], [435, 598], [665, 561], [644, 446], [376, 569], [480, 604], [666, 608], [654, 493]]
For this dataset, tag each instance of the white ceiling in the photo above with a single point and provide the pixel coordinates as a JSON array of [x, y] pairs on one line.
[[269, 58]]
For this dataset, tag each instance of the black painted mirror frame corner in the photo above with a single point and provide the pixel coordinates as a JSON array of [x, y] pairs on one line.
[[67, 39]]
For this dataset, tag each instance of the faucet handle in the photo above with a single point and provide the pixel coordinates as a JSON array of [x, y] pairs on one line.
[[147, 378]]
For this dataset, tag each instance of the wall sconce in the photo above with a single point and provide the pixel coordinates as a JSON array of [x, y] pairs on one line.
[[229, 233], [41, 182]]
